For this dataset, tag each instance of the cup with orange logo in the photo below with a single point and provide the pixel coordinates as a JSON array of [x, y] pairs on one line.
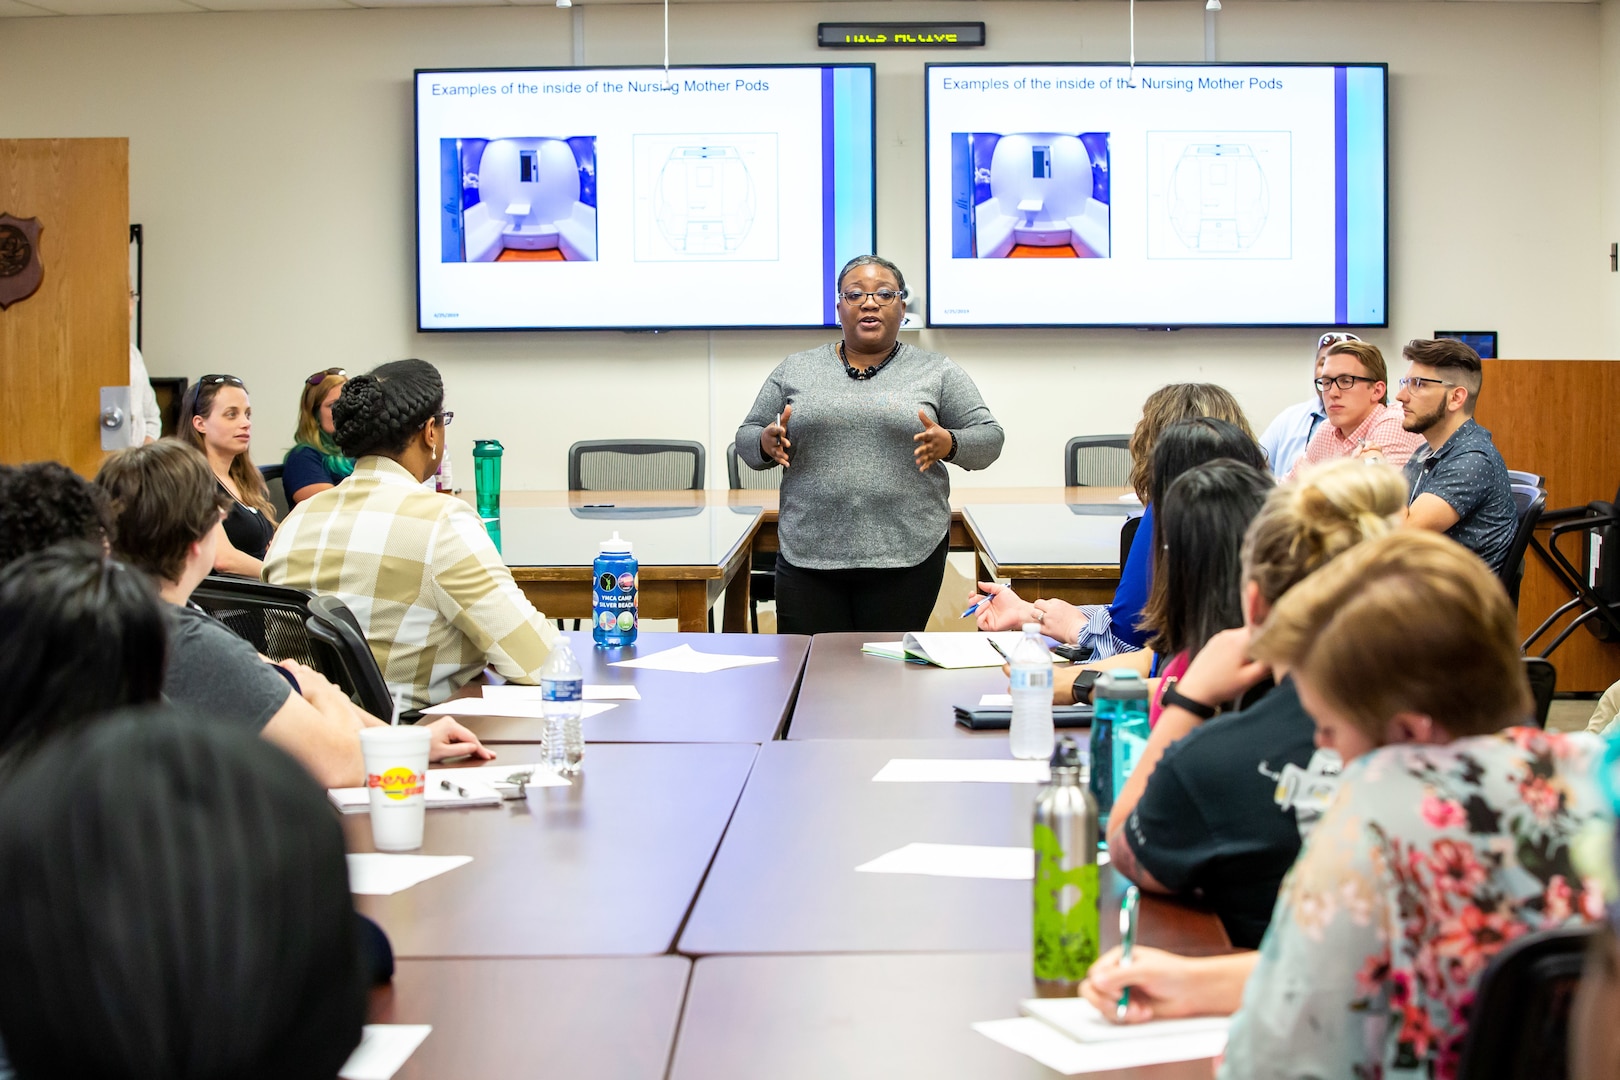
[[396, 776]]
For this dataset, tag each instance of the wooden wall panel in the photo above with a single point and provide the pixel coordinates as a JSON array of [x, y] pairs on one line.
[[60, 346], [1558, 418]]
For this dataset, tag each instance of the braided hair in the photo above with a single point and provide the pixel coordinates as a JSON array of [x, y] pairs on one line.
[[380, 410]]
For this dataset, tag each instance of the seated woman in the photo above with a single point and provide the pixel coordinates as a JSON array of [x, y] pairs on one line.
[[447, 606], [1217, 807], [174, 902], [315, 463], [1449, 836], [217, 419], [1110, 629]]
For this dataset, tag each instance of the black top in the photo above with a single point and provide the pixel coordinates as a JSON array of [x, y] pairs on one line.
[[249, 530], [1469, 474], [302, 467], [1209, 822]]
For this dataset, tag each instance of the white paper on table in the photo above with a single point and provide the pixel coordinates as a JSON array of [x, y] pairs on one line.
[[383, 1049], [956, 860], [987, 701], [593, 692], [1131, 497], [687, 659], [519, 707], [1057, 1051], [963, 770], [377, 874], [357, 800], [1079, 1019]]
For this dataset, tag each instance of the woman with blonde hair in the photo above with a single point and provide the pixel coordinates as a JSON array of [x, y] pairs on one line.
[[1452, 832], [316, 462], [216, 418], [1110, 629], [1201, 813]]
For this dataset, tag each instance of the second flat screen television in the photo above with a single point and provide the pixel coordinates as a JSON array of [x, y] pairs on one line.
[[1196, 195], [629, 198]]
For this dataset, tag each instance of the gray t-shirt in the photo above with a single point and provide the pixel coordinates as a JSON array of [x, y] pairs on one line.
[[852, 496], [218, 675]]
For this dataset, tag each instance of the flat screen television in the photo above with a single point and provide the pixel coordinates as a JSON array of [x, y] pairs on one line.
[[1182, 195], [628, 198]]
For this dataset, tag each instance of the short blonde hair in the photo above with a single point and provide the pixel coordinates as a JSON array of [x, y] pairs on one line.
[[1328, 510], [1165, 406], [1368, 356], [1409, 622]]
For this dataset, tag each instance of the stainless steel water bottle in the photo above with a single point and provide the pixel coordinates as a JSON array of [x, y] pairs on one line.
[[1066, 888]]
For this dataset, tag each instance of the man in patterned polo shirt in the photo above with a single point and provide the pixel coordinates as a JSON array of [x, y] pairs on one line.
[[1459, 483]]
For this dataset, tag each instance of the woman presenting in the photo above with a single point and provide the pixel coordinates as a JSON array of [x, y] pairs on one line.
[[863, 428]]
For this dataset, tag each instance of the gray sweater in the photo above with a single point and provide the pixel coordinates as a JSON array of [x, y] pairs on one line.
[[853, 497]]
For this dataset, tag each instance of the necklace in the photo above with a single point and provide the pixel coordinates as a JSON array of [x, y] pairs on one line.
[[865, 373]]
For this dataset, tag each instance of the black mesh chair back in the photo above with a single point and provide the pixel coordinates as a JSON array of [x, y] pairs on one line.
[[279, 496], [330, 621], [1543, 685], [639, 465], [742, 478], [270, 617], [1097, 461], [1529, 502], [1519, 1028]]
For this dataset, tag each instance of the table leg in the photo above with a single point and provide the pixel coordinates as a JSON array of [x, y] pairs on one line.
[[734, 620], [692, 606]]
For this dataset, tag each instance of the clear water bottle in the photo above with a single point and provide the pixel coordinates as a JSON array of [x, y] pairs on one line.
[[1119, 734], [562, 701], [1031, 732], [1065, 941]]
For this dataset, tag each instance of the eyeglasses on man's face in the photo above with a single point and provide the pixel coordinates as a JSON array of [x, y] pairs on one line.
[[321, 376], [857, 297], [1343, 382], [1416, 382]]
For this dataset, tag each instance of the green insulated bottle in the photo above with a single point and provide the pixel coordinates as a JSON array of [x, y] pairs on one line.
[[487, 476], [1066, 888]]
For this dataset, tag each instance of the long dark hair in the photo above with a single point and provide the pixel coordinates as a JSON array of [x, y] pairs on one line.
[[1198, 528], [379, 411], [80, 635], [174, 903], [1186, 444]]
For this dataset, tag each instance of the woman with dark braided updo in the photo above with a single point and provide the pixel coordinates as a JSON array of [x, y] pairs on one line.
[[433, 597]]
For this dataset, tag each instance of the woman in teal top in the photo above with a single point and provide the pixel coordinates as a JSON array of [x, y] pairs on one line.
[[315, 463]]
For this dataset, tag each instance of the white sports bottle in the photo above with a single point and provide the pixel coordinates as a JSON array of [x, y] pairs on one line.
[[1031, 733]]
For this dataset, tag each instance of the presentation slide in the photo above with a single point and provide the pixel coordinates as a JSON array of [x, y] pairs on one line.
[[632, 198], [1196, 195]]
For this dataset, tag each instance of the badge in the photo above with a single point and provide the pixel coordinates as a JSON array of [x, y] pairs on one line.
[[20, 268]]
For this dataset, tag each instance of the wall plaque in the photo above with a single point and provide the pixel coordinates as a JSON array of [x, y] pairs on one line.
[[20, 268]]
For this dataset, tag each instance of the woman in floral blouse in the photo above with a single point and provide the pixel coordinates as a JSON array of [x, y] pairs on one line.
[[1449, 838]]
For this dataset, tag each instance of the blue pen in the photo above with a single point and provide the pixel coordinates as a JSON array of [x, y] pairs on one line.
[[977, 604], [1127, 937]]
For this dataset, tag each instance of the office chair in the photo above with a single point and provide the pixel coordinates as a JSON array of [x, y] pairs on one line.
[[1529, 502], [1594, 584], [1519, 1029], [1529, 478], [1543, 679], [762, 566], [635, 465], [278, 491], [1097, 461], [330, 621], [1127, 537]]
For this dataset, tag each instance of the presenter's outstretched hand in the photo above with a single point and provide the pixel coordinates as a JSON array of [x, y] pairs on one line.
[[773, 441], [933, 442]]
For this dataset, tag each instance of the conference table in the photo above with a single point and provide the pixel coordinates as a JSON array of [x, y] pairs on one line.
[[739, 705], [1070, 552]]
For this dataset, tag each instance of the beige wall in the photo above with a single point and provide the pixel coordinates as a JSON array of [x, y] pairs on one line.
[[270, 163]]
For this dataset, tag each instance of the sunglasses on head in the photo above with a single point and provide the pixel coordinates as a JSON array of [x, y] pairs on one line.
[[1333, 338], [321, 376], [221, 380]]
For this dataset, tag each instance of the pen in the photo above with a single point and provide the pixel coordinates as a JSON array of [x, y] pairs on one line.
[[976, 605], [458, 789], [1127, 937]]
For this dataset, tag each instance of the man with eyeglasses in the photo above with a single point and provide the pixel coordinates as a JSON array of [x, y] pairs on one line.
[[1459, 482], [1291, 432], [1360, 421]]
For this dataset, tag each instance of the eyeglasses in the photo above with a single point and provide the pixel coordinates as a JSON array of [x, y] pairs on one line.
[[884, 297], [221, 380], [1333, 338], [443, 418], [321, 376], [1414, 382], [1343, 382]]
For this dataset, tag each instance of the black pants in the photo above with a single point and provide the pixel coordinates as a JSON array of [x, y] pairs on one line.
[[872, 601]]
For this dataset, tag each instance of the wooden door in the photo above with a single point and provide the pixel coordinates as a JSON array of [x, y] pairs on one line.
[[71, 337]]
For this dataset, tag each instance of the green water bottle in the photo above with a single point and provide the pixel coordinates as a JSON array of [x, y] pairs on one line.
[[487, 476]]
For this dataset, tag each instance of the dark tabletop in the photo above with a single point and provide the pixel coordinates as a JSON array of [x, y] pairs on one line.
[[738, 705], [784, 880], [612, 1019], [848, 694], [875, 1016], [605, 867]]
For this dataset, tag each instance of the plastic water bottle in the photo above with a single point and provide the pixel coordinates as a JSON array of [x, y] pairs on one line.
[[1119, 734], [562, 701], [1065, 941], [613, 595], [1031, 731]]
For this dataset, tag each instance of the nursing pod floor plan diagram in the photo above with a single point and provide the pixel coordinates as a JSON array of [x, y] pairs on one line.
[[1220, 195], [706, 197]]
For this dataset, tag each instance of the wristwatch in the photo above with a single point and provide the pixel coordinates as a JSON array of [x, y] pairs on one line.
[[1171, 696]]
